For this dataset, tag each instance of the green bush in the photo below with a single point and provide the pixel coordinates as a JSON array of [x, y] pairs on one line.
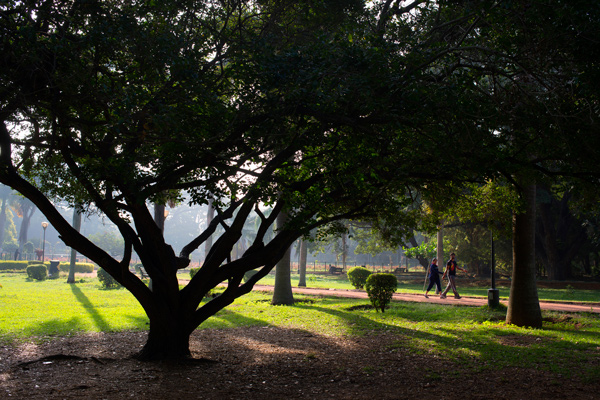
[[358, 276], [194, 271], [10, 265], [39, 272], [380, 288], [106, 279]]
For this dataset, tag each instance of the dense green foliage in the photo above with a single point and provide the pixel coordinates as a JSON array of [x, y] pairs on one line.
[[39, 272], [358, 276], [107, 279], [380, 287]]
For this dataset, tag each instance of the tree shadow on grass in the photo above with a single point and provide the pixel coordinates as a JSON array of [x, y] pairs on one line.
[[98, 320], [226, 318], [55, 326], [460, 344]]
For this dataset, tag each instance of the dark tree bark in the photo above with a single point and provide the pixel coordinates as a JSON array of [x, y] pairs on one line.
[[523, 304], [282, 292]]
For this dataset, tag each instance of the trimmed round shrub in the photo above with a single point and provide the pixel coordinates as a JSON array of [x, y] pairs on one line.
[[194, 271], [106, 279], [39, 272], [358, 276], [380, 288]]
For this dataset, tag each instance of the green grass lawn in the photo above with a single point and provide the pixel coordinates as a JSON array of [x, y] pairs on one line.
[[475, 337], [53, 307]]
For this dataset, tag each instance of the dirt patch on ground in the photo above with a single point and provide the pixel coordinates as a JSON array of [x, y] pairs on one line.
[[262, 363]]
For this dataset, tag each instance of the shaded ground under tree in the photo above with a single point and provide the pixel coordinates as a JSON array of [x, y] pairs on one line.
[[266, 363]]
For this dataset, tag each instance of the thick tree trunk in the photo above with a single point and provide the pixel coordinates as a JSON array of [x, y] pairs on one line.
[[282, 292], [523, 304], [302, 268], [168, 338]]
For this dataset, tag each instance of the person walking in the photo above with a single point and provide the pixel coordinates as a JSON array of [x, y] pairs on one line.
[[434, 277], [450, 272]]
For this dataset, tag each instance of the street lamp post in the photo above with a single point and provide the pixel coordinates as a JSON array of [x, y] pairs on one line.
[[493, 293], [44, 225]]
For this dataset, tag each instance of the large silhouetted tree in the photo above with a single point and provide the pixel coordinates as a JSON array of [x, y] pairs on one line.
[[312, 107]]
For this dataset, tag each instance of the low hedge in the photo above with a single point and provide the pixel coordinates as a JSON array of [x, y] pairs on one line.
[[10, 265], [39, 272], [21, 266], [81, 268]]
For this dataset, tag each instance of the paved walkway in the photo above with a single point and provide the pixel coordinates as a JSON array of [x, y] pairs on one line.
[[466, 301]]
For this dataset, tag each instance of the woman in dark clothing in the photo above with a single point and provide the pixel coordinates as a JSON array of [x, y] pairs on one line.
[[434, 277]]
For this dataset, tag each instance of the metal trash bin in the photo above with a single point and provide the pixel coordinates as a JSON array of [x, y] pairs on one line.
[[53, 269]]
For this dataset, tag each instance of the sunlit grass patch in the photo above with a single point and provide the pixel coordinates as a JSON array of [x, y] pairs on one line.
[[53, 307]]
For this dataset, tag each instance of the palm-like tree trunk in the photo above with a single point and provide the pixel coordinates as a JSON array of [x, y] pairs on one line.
[[4, 193], [282, 292], [303, 256], [27, 210]]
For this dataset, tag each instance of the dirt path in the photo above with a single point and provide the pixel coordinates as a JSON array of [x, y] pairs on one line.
[[466, 301]]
